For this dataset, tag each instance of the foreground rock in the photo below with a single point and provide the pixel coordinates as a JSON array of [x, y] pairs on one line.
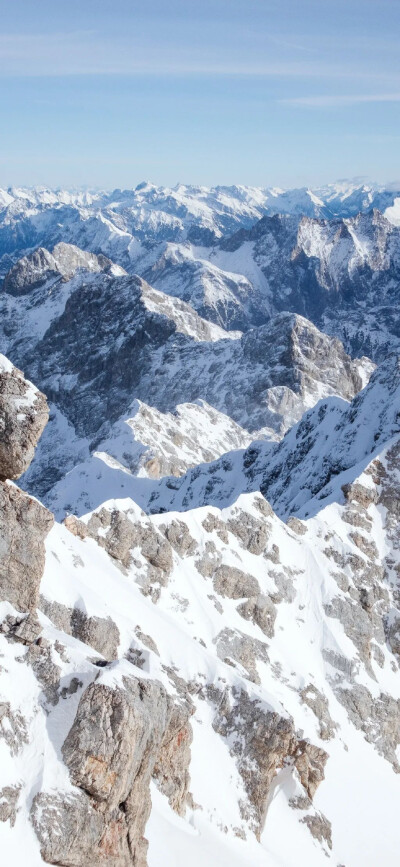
[[24, 523], [23, 416]]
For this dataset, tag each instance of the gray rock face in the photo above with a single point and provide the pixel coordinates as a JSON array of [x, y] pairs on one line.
[[101, 633], [379, 719], [171, 770], [232, 582], [120, 534], [72, 832], [23, 416], [118, 736], [39, 267], [237, 648], [114, 730], [8, 804], [262, 741], [260, 382], [24, 524], [320, 707]]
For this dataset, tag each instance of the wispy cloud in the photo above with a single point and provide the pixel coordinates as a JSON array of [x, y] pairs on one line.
[[333, 101], [91, 53]]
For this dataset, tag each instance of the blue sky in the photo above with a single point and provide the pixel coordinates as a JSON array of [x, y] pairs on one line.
[[106, 93]]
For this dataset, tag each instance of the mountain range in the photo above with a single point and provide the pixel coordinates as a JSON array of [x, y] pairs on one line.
[[200, 609]]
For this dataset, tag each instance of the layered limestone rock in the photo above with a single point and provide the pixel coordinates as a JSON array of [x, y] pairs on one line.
[[122, 733], [263, 742], [23, 416], [24, 523]]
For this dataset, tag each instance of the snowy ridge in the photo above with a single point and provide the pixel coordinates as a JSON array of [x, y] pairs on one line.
[[200, 662]]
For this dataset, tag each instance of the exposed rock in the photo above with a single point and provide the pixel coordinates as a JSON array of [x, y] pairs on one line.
[[177, 533], [59, 614], [252, 532], [320, 827], [119, 535], [232, 582], [8, 804], [354, 492], [262, 741], [75, 526], [101, 633], [172, 766], [24, 524], [73, 832], [27, 630], [212, 523], [40, 658], [319, 705], [366, 546], [261, 610], [13, 728], [112, 748], [393, 635], [23, 416], [147, 640], [310, 763], [34, 270], [378, 718], [237, 647], [114, 729], [297, 526]]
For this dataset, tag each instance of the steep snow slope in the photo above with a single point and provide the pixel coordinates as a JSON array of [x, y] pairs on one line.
[[307, 654], [248, 667]]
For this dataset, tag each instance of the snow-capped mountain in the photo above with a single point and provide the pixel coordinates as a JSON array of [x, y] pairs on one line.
[[200, 626], [116, 358], [117, 223], [224, 673]]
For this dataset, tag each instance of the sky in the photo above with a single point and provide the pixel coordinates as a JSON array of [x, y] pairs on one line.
[[108, 93]]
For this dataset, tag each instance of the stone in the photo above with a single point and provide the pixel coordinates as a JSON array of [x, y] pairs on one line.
[[23, 416], [114, 730], [320, 827], [171, 770], [101, 633], [76, 527], [262, 611], [72, 832], [111, 751], [319, 705], [24, 525], [8, 804], [177, 533], [378, 718], [232, 582], [252, 532], [234, 646], [262, 741], [13, 728]]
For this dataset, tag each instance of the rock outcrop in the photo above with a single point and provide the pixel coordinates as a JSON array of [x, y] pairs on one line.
[[23, 416], [24, 522]]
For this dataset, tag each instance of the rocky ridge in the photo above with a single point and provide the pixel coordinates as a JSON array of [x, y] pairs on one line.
[[201, 390], [163, 646]]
